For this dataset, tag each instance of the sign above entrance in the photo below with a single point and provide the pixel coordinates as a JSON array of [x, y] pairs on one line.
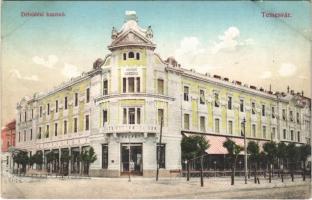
[[131, 72]]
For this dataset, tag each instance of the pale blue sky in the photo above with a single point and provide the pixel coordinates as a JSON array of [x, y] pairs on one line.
[[256, 50]]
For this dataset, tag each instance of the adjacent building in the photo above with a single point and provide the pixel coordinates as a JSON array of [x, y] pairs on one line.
[[8, 140], [117, 107]]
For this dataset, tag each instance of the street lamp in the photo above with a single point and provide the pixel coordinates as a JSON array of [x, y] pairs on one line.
[[245, 149]]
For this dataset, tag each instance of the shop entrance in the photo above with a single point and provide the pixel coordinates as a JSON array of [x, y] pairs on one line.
[[136, 159]]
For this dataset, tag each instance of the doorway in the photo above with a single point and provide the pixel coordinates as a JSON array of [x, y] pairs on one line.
[[136, 159]]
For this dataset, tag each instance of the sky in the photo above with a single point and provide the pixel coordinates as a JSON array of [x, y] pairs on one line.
[[231, 38]]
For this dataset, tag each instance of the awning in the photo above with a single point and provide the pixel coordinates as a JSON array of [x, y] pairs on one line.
[[216, 143]]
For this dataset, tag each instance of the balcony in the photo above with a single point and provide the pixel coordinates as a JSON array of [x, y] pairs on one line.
[[126, 128]]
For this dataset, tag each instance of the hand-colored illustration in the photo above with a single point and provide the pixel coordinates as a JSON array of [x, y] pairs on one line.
[[156, 99]]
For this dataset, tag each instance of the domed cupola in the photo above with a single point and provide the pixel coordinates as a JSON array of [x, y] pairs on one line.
[[131, 34]]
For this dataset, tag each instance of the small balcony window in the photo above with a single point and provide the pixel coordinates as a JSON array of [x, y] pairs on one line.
[[186, 93]]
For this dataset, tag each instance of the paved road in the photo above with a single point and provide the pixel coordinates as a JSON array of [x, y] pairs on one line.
[[149, 188]]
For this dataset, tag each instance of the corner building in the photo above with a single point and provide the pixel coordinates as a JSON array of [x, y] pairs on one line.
[[118, 105]]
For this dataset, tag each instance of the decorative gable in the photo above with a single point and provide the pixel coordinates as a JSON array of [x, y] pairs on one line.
[[131, 37]]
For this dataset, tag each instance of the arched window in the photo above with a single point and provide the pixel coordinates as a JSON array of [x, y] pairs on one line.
[[131, 55], [138, 56], [124, 56]]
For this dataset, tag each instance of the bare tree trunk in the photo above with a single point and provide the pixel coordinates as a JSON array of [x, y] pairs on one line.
[[255, 170], [270, 174], [304, 169], [188, 171]]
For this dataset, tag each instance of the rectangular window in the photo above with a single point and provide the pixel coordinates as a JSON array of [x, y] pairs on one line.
[[104, 156], [298, 136], [202, 124], [291, 135], [124, 56], [55, 129], [160, 86], [125, 116], [131, 115], [47, 131], [138, 86], [76, 99], [19, 136], [20, 117], [48, 109], [186, 121], [298, 118], [253, 108], [241, 105], [263, 110], [161, 155], [217, 125], [31, 134], [40, 131], [75, 125], [273, 112], [229, 103], [160, 115], [105, 87], [87, 122], [291, 116], [131, 84], [201, 96], [254, 130], [124, 85], [264, 131], [25, 116], [273, 133], [284, 114], [65, 103], [56, 106], [104, 117], [186, 93], [24, 135], [284, 134], [216, 100], [138, 116], [230, 127], [65, 127], [32, 113], [88, 95]]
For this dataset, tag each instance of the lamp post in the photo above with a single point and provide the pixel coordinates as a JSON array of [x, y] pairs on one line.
[[129, 165], [245, 150]]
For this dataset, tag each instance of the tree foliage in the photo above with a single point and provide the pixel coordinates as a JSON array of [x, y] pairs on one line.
[[193, 146], [253, 151]]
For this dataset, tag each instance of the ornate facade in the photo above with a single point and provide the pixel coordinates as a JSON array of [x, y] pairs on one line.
[[117, 107]]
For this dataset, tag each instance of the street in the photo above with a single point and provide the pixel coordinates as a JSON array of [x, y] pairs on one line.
[[140, 187]]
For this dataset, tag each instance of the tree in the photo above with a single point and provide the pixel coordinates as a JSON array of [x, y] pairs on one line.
[[65, 158], [193, 146], [270, 151], [305, 152], [51, 158], [233, 152], [21, 158], [282, 155], [254, 152], [293, 154], [87, 157]]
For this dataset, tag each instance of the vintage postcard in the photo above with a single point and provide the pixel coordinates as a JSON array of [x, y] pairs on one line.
[[156, 99]]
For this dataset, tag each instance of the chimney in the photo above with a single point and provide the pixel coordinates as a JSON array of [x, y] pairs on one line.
[[302, 93], [288, 89]]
